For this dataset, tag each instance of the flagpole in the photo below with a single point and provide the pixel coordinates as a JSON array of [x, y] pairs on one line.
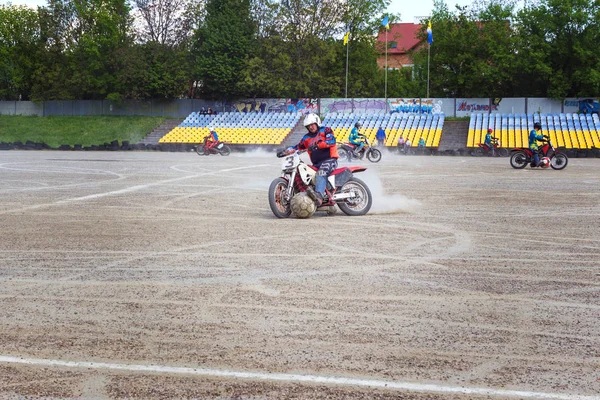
[[428, 59], [347, 51], [386, 63]]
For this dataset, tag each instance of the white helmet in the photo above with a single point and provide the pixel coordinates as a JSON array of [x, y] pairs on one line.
[[312, 119]]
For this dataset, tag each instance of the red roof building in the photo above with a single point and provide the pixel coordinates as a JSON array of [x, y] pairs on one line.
[[402, 41]]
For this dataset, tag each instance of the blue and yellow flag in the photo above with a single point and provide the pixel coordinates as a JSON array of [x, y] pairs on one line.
[[429, 33], [386, 22]]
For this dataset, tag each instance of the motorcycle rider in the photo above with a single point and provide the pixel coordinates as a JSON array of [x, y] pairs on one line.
[[356, 138], [534, 136], [489, 140], [210, 141], [322, 150]]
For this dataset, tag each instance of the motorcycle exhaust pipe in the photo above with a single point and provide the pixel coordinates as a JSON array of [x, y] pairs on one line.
[[343, 196]]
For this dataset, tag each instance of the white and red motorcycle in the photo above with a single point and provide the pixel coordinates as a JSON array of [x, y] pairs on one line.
[[289, 192]]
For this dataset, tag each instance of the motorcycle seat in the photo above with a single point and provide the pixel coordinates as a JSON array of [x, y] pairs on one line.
[[340, 170]]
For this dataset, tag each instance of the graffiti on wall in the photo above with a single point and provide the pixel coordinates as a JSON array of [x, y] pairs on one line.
[[584, 106], [352, 105], [415, 105], [474, 105], [302, 106], [336, 105], [369, 105]]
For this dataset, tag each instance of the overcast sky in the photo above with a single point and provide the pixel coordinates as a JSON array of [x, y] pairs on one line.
[[408, 10]]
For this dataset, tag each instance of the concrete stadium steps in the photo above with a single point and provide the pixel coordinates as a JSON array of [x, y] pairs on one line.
[[295, 135], [160, 131], [454, 136]]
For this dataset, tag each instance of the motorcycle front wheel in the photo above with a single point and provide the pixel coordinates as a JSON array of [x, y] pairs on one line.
[[501, 152], [361, 201], [374, 155], [225, 150], [518, 160], [559, 161], [279, 205]]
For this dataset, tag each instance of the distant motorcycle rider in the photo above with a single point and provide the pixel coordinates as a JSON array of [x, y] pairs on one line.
[[489, 140], [534, 136], [356, 138], [210, 141], [322, 150]]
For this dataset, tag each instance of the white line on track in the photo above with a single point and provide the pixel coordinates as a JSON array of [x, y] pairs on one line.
[[147, 185], [313, 379], [127, 190]]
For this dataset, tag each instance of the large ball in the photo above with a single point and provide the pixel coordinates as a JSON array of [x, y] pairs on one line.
[[545, 162], [302, 205]]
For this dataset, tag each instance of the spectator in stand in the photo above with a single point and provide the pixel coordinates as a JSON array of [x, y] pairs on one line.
[[203, 111], [421, 144], [380, 136], [401, 143], [209, 112], [407, 145]]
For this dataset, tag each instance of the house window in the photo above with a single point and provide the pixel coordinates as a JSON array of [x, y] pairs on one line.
[[393, 45]]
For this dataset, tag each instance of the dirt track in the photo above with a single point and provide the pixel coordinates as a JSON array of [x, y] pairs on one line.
[[467, 274]]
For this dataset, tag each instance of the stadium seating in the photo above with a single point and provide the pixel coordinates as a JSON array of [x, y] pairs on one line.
[[234, 128], [573, 131], [411, 126]]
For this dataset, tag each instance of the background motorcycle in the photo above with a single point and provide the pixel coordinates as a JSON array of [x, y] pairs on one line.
[[522, 156], [485, 149], [219, 148], [351, 194], [346, 152]]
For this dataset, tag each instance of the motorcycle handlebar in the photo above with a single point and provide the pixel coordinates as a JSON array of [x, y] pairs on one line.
[[283, 153]]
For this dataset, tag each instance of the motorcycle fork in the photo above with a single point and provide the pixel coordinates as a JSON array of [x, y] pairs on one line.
[[290, 188]]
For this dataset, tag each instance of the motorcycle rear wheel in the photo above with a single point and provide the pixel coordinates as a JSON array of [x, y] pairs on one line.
[[225, 150], [478, 152], [280, 207], [518, 160], [361, 203], [559, 161], [374, 155], [343, 155], [200, 150]]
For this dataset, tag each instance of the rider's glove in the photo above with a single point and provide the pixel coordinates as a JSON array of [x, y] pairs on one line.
[[281, 153], [314, 147]]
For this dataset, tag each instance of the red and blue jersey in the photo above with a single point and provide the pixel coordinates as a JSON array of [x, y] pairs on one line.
[[324, 139]]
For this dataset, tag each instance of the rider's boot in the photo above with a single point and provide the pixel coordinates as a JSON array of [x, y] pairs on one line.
[[315, 196], [319, 200]]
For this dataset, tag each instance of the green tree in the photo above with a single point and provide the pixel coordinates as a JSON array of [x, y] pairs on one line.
[[153, 71], [557, 48], [473, 54], [83, 38], [19, 44], [222, 47]]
